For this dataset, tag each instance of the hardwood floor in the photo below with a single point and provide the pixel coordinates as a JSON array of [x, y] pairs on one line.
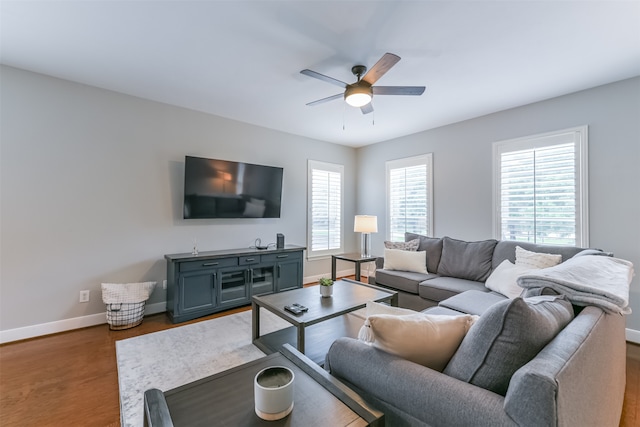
[[71, 378]]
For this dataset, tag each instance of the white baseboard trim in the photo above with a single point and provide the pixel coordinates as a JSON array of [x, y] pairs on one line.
[[49, 328], [633, 335]]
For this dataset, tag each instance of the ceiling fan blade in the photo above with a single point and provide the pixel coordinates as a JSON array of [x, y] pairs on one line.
[[327, 99], [322, 77], [383, 65], [367, 108], [398, 90]]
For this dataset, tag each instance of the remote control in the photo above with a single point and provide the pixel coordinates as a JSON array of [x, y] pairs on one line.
[[300, 306], [293, 309]]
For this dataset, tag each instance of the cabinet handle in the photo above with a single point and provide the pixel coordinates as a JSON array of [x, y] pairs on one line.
[[278, 272], [250, 259], [282, 256], [210, 264]]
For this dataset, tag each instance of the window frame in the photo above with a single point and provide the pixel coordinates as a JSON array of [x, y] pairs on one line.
[[422, 159], [329, 167], [579, 137]]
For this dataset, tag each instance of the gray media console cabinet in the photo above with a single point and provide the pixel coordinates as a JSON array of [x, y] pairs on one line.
[[198, 285]]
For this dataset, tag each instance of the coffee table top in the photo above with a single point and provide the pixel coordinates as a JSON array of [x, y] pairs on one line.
[[226, 399], [348, 295]]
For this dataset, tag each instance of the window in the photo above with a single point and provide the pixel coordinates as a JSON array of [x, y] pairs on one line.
[[409, 196], [325, 188], [540, 188]]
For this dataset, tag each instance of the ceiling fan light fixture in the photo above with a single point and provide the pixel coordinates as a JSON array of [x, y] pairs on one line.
[[357, 96]]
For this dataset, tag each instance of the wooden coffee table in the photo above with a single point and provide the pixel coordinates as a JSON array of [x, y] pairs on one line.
[[314, 331], [226, 399]]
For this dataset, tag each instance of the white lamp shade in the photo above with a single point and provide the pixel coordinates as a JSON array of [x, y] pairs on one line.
[[365, 224]]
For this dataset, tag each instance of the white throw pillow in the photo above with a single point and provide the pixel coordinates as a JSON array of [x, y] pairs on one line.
[[530, 259], [397, 259], [427, 339], [374, 308], [504, 279]]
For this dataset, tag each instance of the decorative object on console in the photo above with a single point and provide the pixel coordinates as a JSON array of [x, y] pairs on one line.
[[273, 392], [326, 287], [365, 224]]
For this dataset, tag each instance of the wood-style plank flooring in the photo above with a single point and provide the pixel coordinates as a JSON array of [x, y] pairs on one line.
[[71, 379]]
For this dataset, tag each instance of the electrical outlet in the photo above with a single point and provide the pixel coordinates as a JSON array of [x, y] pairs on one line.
[[164, 284], [85, 295]]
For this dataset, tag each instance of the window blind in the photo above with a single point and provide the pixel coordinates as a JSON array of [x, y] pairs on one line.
[[325, 208], [408, 197], [542, 189]]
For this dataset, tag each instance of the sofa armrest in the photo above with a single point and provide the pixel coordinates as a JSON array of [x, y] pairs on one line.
[[420, 392], [577, 379], [379, 262]]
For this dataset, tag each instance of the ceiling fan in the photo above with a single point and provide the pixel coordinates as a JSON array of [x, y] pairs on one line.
[[360, 93]]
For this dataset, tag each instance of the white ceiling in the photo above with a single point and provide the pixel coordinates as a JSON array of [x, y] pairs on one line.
[[241, 59]]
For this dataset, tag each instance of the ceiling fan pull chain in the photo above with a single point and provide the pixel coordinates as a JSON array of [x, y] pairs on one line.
[[344, 109]]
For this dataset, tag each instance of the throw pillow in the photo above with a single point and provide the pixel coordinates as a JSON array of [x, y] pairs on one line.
[[431, 245], [537, 260], [374, 308], [396, 259], [504, 279], [506, 337], [411, 245], [466, 260], [427, 339]]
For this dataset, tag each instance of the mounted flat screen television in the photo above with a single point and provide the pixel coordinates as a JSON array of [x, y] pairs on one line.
[[223, 189]]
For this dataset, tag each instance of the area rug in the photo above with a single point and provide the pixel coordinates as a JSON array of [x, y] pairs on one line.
[[174, 357]]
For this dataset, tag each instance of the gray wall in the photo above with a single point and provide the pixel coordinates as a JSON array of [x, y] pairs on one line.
[[463, 179], [91, 192]]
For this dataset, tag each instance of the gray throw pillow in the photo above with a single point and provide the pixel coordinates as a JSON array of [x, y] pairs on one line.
[[466, 260], [431, 245], [506, 337], [409, 245]]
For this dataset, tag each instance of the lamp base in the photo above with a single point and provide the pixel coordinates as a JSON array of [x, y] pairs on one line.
[[365, 245]]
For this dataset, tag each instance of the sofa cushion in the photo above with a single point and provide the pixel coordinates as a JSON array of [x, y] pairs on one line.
[[401, 280], [441, 288], [538, 260], [504, 278], [410, 245], [466, 260], [441, 310], [401, 260], [506, 249], [432, 246], [472, 302], [507, 336], [429, 340]]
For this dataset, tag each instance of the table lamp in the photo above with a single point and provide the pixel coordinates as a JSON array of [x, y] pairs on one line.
[[365, 224]]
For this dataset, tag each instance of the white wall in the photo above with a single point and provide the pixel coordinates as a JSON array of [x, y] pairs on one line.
[[462, 169], [91, 192]]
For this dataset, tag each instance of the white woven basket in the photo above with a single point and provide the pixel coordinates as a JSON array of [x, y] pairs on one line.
[[125, 303]]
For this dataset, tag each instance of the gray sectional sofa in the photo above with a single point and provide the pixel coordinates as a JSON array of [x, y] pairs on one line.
[[576, 378], [454, 266]]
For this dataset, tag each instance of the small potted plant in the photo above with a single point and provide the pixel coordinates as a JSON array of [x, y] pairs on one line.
[[326, 287]]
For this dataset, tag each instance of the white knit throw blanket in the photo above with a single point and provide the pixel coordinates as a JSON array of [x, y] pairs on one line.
[[588, 280]]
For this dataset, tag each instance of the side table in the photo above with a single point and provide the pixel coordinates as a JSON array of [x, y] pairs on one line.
[[355, 257]]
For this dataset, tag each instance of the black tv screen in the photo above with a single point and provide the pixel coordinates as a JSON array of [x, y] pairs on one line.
[[224, 189]]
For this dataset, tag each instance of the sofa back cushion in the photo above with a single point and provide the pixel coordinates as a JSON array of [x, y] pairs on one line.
[[466, 260], [431, 245], [506, 249], [507, 336]]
